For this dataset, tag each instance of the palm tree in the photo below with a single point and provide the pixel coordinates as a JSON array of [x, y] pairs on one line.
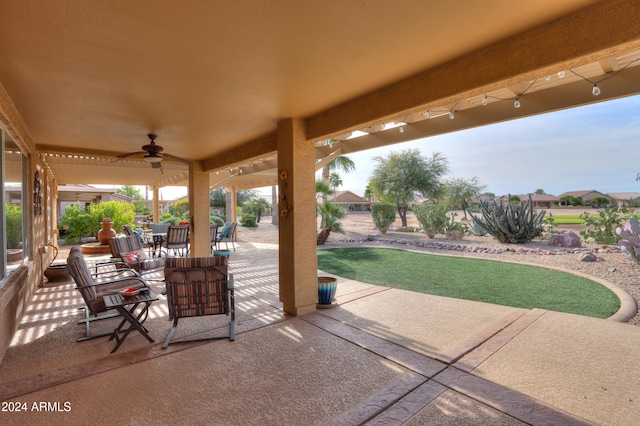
[[335, 181], [330, 214], [323, 189], [340, 163]]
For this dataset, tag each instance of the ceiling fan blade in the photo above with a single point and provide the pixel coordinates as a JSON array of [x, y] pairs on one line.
[[120, 157], [182, 160], [129, 154]]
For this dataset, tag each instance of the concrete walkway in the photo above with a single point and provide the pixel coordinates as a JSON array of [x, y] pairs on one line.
[[383, 356]]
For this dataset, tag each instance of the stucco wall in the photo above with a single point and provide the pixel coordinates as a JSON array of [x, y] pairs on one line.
[[16, 292]]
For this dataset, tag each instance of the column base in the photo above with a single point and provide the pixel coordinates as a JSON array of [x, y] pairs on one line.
[[299, 310]]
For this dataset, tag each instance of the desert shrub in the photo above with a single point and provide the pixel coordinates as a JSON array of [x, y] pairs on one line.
[[86, 223], [432, 218], [548, 226], [450, 224], [180, 209], [601, 228], [249, 220], [214, 218], [600, 202], [13, 217], [170, 219], [383, 215]]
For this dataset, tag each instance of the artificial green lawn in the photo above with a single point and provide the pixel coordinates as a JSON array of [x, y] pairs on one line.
[[488, 281], [568, 220]]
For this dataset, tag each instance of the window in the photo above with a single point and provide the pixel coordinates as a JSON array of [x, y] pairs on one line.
[[12, 203]]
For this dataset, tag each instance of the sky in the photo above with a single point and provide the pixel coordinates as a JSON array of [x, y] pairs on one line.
[[586, 148], [590, 147]]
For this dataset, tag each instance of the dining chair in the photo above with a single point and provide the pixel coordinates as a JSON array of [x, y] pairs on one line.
[[177, 240]]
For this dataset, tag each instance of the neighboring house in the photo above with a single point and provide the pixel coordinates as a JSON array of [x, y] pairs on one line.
[[625, 199], [542, 201], [421, 200], [88, 194], [350, 201], [587, 196], [475, 201]]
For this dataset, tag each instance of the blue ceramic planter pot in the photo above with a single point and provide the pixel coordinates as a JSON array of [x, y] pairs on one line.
[[326, 290]]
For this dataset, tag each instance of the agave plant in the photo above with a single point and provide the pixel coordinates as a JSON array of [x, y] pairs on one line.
[[511, 222], [630, 242], [330, 214]]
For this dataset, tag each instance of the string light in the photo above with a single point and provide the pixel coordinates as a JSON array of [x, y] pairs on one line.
[[516, 100], [596, 89]]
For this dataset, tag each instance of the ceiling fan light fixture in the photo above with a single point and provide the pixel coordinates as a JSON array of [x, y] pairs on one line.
[[152, 158]]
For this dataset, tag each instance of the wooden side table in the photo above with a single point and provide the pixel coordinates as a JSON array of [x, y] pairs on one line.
[[127, 306]]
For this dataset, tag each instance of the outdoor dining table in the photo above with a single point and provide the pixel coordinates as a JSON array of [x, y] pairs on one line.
[[157, 238]]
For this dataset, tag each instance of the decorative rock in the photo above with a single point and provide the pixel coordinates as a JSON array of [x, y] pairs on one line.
[[588, 257], [565, 239], [455, 235]]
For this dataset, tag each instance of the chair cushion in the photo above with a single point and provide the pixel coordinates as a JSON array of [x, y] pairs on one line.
[[224, 233], [97, 305], [140, 237], [149, 264], [196, 286]]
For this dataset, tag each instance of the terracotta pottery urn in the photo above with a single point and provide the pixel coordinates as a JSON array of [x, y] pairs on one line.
[[106, 231]]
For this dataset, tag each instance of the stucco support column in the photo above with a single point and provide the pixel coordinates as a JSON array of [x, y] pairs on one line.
[[274, 202], [231, 197], [297, 229], [199, 211], [156, 205]]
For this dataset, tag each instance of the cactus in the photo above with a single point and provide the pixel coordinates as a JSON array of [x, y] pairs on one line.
[[513, 223], [630, 242], [477, 229]]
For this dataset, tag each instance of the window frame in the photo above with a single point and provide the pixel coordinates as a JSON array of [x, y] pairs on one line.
[[5, 272]]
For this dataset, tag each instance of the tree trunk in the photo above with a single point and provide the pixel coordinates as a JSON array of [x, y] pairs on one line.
[[464, 210], [323, 236], [402, 211]]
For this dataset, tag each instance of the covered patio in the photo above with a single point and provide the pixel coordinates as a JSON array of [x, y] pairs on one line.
[[258, 94], [383, 356]]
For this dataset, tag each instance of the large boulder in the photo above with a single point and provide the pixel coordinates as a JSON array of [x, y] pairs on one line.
[[565, 239]]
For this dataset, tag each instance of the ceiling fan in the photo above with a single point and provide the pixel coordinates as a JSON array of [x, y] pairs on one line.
[[152, 153]]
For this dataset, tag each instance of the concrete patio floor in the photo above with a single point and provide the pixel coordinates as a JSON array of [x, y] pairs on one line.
[[382, 356]]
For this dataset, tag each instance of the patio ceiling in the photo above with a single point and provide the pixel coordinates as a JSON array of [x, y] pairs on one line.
[[212, 79]]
